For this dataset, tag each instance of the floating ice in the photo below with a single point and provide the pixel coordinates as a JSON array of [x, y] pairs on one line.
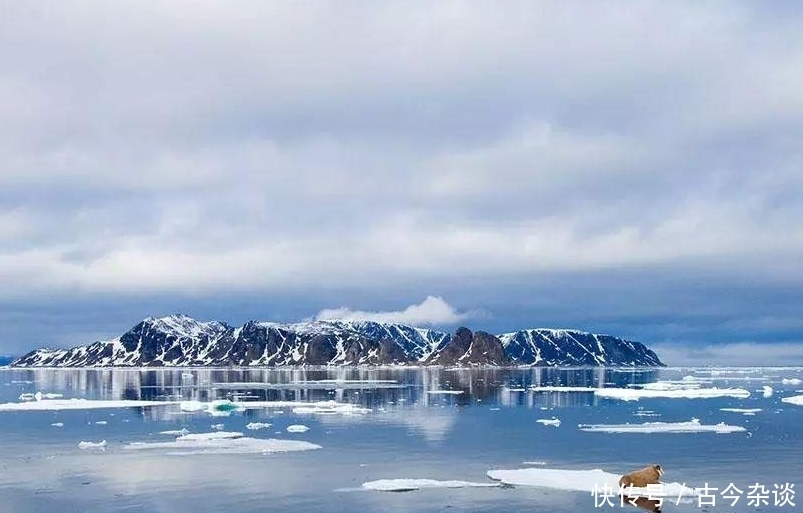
[[176, 432], [582, 481], [78, 404], [58, 424], [791, 381], [563, 389], [672, 385], [549, 422], [101, 423], [533, 462], [192, 406], [407, 485], [183, 446], [692, 426], [767, 391], [28, 396], [445, 392], [297, 428], [629, 394], [331, 408], [257, 425], [92, 445], [215, 435], [795, 399], [219, 427], [746, 411]]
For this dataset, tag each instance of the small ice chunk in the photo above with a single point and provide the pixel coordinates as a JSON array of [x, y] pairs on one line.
[[549, 422], [767, 391], [101, 423], [407, 485], [297, 428], [258, 425], [791, 381], [795, 399], [533, 462], [692, 426], [58, 424], [92, 445], [219, 427], [445, 392]]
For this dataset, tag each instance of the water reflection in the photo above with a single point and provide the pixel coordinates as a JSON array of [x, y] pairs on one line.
[[368, 387]]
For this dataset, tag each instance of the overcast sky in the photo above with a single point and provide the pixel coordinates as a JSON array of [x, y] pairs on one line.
[[628, 167]]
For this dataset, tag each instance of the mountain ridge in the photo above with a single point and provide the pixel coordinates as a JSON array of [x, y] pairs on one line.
[[180, 340]]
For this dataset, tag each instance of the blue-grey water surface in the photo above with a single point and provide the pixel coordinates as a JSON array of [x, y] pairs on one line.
[[409, 433]]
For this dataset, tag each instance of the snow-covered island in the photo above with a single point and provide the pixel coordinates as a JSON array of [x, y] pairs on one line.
[[179, 340]]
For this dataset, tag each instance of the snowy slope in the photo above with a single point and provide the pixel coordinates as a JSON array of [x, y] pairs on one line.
[[179, 340]]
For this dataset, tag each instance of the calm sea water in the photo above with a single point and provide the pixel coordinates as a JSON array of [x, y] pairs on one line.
[[409, 433]]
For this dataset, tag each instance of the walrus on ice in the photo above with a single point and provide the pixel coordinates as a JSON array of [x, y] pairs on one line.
[[643, 477]]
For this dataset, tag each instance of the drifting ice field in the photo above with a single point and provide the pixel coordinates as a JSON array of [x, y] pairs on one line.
[[390, 440]]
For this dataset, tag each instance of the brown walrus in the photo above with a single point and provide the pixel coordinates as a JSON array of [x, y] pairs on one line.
[[643, 477]]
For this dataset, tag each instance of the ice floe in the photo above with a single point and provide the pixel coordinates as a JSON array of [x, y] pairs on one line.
[[175, 432], [297, 428], [549, 422], [533, 462], [746, 411], [407, 485], [214, 435], [630, 394], [583, 481], [767, 391], [58, 424], [92, 445], [225, 407], [183, 446], [795, 399], [101, 423], [257, 425], [219, 427], [78, 404], [692, 426], [331, 408], [562, 389], [791, 381], [445, 392]]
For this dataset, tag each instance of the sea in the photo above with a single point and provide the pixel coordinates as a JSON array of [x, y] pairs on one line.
[[396, 440]]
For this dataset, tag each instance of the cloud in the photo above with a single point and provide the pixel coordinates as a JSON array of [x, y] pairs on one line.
[[431, 311], [194, 150], [739, 354]]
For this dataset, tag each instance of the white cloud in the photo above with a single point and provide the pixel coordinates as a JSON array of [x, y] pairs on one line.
[[434, 310]]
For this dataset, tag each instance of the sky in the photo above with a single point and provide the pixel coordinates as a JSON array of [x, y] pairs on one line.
[[632, 168]]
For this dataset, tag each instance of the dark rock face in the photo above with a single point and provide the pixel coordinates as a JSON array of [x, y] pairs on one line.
[[478, 348], [178, 340]]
